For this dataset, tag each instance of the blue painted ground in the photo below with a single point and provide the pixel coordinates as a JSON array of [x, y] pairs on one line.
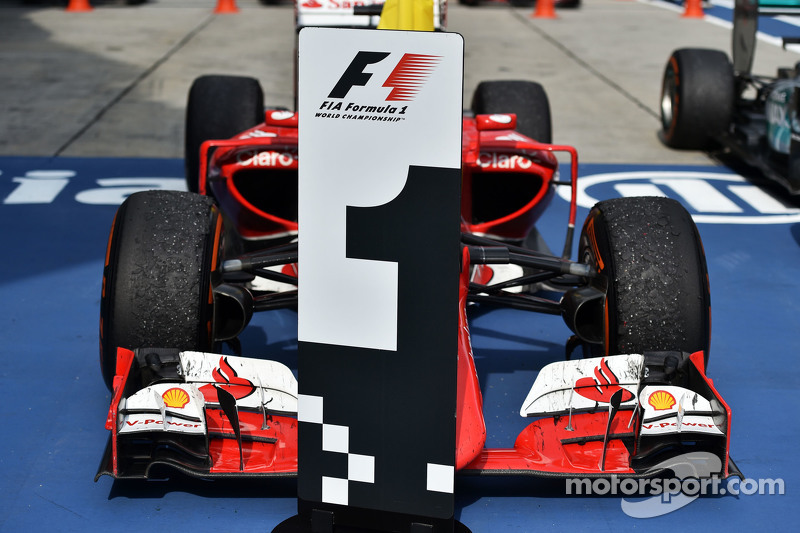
[[54, 401]]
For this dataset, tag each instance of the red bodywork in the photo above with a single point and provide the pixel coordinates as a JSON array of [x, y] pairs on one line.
[[508, 179], [507, 182]]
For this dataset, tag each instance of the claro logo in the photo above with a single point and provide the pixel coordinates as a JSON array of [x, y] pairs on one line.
[[711, 197]]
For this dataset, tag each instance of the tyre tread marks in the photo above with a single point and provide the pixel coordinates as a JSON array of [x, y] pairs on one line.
[[158, 275], [659, 294]]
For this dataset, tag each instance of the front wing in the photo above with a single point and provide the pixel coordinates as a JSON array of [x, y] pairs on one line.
[[210, 415], [206, 415], [623, 415]]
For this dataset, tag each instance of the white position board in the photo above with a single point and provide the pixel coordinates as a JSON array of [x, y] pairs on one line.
[[380, 116]]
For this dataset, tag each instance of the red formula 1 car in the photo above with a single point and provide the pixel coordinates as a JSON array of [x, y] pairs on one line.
[[185, 271]]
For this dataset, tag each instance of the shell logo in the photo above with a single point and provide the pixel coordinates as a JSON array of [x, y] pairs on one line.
[[661, 400], [175, 398]]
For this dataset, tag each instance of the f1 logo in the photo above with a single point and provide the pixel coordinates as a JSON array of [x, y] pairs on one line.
[[355, 75], [405, 80]]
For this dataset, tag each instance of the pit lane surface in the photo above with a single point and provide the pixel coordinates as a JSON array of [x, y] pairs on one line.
[[91, 112]]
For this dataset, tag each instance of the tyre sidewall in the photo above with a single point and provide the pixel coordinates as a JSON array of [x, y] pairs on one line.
[[701, 85]]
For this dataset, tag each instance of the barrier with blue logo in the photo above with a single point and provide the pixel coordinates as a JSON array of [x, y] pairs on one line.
[[57, 213]]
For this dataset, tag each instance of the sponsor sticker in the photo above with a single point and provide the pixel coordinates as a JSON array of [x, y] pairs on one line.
[[661, 400], [494, 160], [175, 398], [267, 158]]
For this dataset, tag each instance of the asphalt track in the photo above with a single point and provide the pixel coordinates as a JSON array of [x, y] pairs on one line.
[[91, 113]]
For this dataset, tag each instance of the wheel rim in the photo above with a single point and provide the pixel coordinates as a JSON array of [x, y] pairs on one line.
[[668, 99]]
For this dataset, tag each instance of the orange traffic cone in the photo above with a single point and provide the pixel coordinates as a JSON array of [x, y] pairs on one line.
[[694, 10], [79, 5], [545, 9], [226, 6]]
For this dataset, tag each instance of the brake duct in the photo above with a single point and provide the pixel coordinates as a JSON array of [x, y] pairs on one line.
[[583, 310], [233, 309]]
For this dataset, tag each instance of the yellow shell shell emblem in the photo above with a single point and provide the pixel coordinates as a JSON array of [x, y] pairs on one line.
[[661, 400], [175, 398]]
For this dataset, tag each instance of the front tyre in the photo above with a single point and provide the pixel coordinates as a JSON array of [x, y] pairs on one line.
[[651, 265], [162, 260], [697, 98]]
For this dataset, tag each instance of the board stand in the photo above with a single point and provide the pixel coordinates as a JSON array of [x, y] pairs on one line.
[[322, 521]]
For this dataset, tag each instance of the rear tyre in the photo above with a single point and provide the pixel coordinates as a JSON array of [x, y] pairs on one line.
[[697, 98], [527, 99], [219, 107], [161, 265], [652, 268]]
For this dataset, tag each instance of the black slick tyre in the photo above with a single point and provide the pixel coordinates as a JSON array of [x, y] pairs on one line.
[[527, 99], [697, 98], [219, 107], [162, 258], [652, 268]]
